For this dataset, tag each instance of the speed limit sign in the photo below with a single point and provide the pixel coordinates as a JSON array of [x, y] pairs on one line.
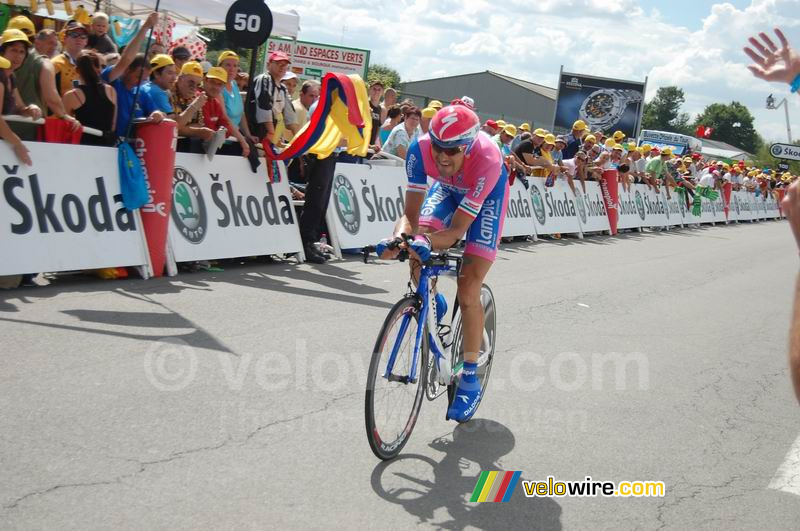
[[248, 23]]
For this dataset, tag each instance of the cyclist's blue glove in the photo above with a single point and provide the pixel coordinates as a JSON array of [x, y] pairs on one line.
[[421, 245], [382, 246]]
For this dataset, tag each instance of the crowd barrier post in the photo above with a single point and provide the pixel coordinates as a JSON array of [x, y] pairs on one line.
[[610, 188]]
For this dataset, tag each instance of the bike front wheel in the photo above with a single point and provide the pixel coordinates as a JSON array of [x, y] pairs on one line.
[[396, 380]]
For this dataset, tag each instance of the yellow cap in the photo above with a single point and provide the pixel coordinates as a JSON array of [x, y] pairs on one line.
[[436, 104], [428, 112], [160, 61], [617, 147], [216, 72], [525, 127], [631, 146], [227, 54], [590, 138], [23, 23], [646, 148], [610, 142], [540, 132], [550, 139], [15, 35], [500, 124], [666, 151], [510, 130], [579, 125], [619, 135], [192, 68]]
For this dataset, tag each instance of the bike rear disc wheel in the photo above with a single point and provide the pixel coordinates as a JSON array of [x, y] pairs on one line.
[[487, 344], [392, 404]]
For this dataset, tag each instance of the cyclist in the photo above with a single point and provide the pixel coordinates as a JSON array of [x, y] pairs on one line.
[[469, 196]]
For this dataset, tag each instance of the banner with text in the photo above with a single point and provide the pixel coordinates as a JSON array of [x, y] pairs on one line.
[[591, 208], [221, 209], [312, 60], [554, 210], [65, 212], [519, 215]]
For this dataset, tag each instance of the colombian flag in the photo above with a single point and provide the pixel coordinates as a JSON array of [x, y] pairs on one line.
[[342, 110], [494, 486]]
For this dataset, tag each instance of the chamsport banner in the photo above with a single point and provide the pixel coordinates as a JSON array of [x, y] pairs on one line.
[[62, 216], [604, 104], [221, 209]]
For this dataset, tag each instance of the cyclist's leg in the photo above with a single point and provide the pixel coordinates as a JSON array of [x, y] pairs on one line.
[[483, 237]]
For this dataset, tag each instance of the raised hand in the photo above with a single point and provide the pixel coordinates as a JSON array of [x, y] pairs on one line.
[[771, 63]]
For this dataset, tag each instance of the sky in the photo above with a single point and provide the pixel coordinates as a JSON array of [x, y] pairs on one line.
[[694, 44]]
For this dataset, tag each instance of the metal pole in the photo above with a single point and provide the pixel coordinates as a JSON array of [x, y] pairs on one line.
[[788, 126]]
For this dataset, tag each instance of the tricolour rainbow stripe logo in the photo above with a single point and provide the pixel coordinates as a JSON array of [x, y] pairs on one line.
[[494, 486]]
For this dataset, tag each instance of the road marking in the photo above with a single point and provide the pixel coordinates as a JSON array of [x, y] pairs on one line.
[[582, 305], [787, 478]]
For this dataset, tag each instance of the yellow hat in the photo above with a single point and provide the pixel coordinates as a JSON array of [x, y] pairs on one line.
[[540, 132], [436, 104], [687, 159], [666, 151], [617, 147], [428, 112], [590, 138], [216, 72], [525, 127], [15, 35], [579, 125], [726, 166], [23, 23], [510, 130], [500, 124], [4, 63], [631, 146], [550, 139], [192, 68], [227, 54], [619, 135], [610, 142], [160, 61], [646, 148]]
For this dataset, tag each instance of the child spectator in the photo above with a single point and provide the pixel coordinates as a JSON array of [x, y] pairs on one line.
[[98, 35]]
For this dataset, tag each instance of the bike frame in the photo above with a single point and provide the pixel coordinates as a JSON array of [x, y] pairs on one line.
[[428, 319]]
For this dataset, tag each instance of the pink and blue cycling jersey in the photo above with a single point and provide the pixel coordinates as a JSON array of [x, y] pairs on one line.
[[480, 191]]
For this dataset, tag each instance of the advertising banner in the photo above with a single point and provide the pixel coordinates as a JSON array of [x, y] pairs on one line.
[[655, 207], [591, 208], [62, 216], [631, 207], [311, 60], [604, 104], [719, 208], [675, 208], [519, 214], [554, 209], [366, 202], [221, 209]]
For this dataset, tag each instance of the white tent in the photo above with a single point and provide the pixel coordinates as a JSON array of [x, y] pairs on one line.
[[202, 13]]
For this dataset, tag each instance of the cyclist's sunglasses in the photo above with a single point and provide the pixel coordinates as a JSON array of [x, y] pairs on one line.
[[450, 152]]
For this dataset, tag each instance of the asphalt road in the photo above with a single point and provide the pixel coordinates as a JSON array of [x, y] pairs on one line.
[[235, 399]]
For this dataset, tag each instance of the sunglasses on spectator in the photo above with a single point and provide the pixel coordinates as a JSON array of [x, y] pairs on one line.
[[450, 152], [77, 35]]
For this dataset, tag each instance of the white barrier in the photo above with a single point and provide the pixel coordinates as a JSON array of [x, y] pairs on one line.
[[519, 215], [554, 208], [366, 202], [631, 210], [591, 208], [65, 212], [655, 206], [221, 209]]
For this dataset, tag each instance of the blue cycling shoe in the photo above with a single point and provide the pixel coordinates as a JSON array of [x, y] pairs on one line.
[[441, 307], [467, 396]]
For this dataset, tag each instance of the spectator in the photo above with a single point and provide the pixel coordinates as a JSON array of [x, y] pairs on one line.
[[558, 152], [309, 93], [126, 77], [576, 167], [163, 75], [523, 129], [403, 133], [75, 38], [656, 170], [269, 104], [549, 169], [242, 79], [575, 139], [98, 35], [188, 102], [618, 137], [427, 114], [7, 95], [46, 43], [503, 138], [93, 102], [290, 82], [637, 164], [180, 56], [375, 93], [389, 101], [436, 104], [34, 75], [490, 127], [393, 117], [155, 49], [15, 49], [214, 116], [232, 99]]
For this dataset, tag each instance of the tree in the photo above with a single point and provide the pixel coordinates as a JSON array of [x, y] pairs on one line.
[[663, 112], [218, 42], [733, 124], [385, 74]]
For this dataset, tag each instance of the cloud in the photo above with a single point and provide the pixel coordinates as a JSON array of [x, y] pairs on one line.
[[427, 38]]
